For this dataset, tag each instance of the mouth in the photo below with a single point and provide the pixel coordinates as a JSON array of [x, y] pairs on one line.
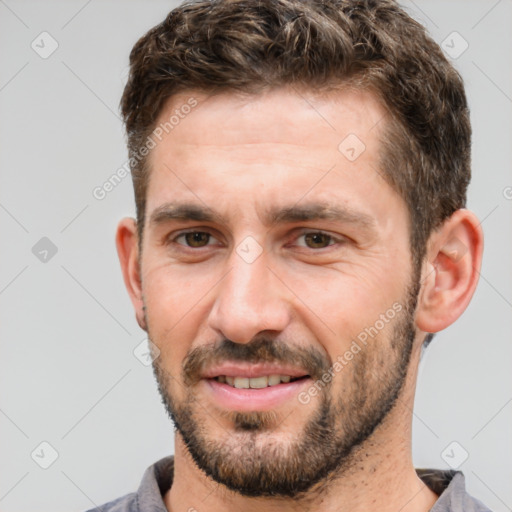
[[264, 381], [253, 387]]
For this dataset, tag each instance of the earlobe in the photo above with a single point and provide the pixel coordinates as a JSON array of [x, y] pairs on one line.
[[450, 273], [128, 253]]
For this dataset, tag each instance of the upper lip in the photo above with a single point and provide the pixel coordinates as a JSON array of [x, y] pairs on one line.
[[251, 370]]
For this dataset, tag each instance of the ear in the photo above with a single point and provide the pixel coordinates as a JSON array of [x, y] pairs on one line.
[[128, 252], [450, 272]]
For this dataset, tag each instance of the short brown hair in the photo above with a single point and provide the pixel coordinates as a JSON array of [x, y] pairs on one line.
[[249, 46]]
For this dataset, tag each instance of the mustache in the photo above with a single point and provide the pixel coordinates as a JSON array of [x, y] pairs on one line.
[[266, 350]]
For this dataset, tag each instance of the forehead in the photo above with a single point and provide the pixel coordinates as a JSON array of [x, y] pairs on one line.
[[286, 115], [230, 149]]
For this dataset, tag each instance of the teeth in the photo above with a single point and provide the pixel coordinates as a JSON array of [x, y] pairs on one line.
[[242, 382], [274, 380], [254, 382], [258, 382]]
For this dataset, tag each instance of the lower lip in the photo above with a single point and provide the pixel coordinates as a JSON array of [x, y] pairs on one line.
[[245, 400]]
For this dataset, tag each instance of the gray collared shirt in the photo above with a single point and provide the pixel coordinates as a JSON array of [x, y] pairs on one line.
[[157, 480]]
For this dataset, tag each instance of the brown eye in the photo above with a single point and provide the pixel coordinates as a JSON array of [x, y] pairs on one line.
[[317, 240], [196, 238]]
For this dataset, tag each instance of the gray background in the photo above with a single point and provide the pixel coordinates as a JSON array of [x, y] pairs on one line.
[[68, 373]]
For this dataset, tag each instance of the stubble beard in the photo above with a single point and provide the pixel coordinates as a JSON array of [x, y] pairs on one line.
[[254, 460]]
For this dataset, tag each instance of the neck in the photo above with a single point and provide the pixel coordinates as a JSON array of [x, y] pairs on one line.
[[381, 476]]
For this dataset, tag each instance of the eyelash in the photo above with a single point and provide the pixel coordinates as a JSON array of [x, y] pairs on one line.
[[332, 239]]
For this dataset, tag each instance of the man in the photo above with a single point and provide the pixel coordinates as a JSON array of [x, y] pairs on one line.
[[300, 172]]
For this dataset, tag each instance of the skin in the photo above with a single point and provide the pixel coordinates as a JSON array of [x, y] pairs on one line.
[[240, 156]]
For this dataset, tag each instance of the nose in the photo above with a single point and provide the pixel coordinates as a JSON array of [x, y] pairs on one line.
[[250, 299]]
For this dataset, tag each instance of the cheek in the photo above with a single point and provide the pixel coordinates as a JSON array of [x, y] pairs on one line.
[[346, 300], [172, 309], [171, 293], [363, 365]]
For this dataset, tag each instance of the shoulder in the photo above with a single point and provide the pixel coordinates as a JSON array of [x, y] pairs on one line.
[[461, 500], [450, 486], [156, 481], [127, 503]]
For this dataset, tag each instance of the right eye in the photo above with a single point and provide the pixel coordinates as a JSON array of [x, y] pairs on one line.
[[194, 239]]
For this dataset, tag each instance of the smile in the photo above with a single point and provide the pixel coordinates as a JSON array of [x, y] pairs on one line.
[[255, 382]]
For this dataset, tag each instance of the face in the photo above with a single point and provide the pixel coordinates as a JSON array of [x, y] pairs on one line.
[[277, 284]]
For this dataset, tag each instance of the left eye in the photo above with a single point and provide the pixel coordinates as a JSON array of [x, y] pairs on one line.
[[316, 240]]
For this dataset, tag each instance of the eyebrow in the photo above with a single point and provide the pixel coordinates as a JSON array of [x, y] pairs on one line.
[[296, 213], [320, 211], [183, 211]]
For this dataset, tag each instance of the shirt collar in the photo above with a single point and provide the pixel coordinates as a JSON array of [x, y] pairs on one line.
[[157, 480]]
